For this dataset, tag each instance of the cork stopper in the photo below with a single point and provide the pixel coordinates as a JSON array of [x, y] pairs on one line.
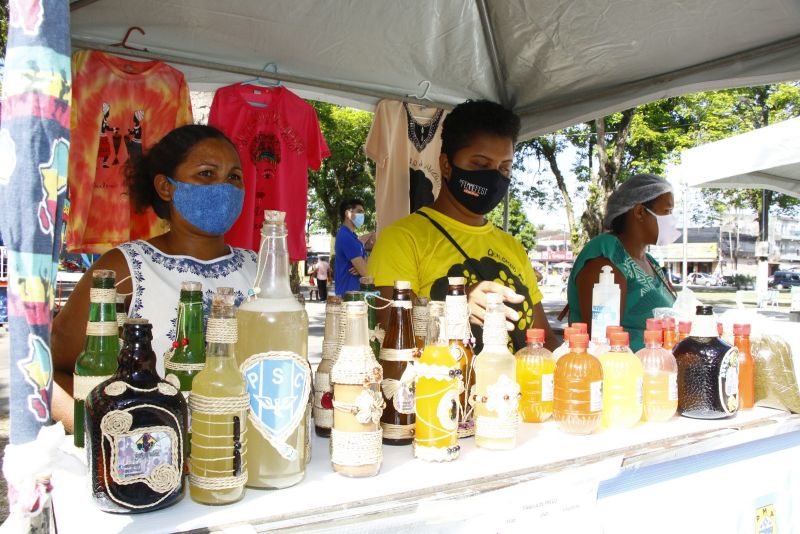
[[652, 337], [579, 341], [456, 280], [583, 328], [534, 335], [104, 273], [402, 284], [225, 291], [191, 286], [136, 321], [741, 330], [366, 280], [274, 216], [619, 339]]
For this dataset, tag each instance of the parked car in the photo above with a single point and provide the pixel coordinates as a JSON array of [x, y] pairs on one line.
[[702, 279], [784, 279]]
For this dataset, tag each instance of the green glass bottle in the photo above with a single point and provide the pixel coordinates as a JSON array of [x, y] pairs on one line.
[[98, 361], [367, 287]]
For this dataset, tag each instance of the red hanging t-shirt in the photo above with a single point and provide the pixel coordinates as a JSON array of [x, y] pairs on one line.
[[278, 138]]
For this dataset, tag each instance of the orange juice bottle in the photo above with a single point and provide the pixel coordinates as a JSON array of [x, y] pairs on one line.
[[684, 329], [535, 366], [623, 381], [563, 349], [660, 378], [747, 387], [578, 389], [669, 336]]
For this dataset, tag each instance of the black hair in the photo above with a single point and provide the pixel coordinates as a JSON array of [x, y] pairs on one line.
[[476, 117], [163, 158], [348, 204], [618, 224]]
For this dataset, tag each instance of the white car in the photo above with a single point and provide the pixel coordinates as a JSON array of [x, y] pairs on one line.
[[702, 279]]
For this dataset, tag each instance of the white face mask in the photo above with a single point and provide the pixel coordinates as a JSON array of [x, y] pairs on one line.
[[667, 228]]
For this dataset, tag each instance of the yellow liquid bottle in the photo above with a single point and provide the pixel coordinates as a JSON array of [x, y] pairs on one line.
[[622, 384], [272, 352], [535, 369], [578, 389], [437, 403], [660, 379], [219, 402]]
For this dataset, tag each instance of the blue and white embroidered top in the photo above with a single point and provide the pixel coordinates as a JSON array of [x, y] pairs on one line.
[[157, 278]]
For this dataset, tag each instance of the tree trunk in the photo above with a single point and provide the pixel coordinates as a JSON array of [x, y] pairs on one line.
[[548, 148]]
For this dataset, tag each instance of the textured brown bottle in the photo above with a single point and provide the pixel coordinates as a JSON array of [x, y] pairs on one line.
[[457, 314], [397, 353]]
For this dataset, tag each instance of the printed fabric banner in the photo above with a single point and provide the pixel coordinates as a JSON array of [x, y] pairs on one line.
[[34, 145]]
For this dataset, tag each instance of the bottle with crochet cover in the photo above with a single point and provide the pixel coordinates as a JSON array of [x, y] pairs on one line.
[[397, 360], [535, 366], [622, 384], [136, 430], [419, 317], [437, 380], [496, 397], [747, 386], [660, 388], [578, 389], [356, 447], [461, 343], [272, 352], [219, 404], [331, 342], [98, 361]]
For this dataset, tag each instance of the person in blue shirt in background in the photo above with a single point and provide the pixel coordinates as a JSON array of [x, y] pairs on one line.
[[351, 263]]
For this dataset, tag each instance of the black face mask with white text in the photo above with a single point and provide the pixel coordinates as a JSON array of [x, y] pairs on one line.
[[478, 191]]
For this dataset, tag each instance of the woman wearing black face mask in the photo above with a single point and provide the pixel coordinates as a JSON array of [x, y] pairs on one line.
[[453, 238]]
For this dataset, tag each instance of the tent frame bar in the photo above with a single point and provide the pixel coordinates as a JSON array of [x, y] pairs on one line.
[[494, 54], [257, 73]]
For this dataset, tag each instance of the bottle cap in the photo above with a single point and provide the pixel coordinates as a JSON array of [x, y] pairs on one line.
[[654, 324], [456, 280], [607, 276], [534, 335], [684, 327], [583, 328], [611, 329], [136, 321], [569, 332], [334, 300], [619, 339], [741, 330], [668, 323], [274, 217], [104, 273], [191, 286], [652, 336], [402, 284], [704, 310], [494, 298], [222, 299], [366, 280], [226, 291], [579, 341]]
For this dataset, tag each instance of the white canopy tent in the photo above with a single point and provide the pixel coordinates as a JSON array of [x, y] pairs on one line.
[[557, 62]]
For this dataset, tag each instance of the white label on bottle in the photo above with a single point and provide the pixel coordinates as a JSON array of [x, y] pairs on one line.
[[640, 391], [603, 316], [547, 387], [596, 396], [728, 381], [672, 379], [457, 316]]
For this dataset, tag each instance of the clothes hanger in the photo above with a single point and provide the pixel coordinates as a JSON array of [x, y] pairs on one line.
[[261, 81], [124, 42], [423, 96]]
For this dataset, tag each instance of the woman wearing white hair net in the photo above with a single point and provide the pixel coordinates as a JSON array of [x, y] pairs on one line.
[[638, 214]]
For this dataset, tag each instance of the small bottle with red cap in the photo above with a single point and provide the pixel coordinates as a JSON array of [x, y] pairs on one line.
[[747, 368], [684, 329], [623, 382], [660, 388], [578, 391], [535, 367], [668, 334], [604, 346]]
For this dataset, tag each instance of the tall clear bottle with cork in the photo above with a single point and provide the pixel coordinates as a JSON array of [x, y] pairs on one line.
[[331, 342], [461, 343], [356, 437], [496, 397], [272, 352]]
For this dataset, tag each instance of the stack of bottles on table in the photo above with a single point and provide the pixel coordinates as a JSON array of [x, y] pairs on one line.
[[235, 408]]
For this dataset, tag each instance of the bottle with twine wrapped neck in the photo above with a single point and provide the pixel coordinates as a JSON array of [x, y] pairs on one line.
[[366, 285], [461, 345], [397, 360], [437, 383], [331, 343], [98, 361], [219, 404], [356, 447], [419, 317], [496, 397]]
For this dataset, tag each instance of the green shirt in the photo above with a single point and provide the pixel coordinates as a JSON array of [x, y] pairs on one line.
[[644, 292]]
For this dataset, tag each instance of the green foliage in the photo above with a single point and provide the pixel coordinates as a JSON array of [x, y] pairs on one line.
[[346, 173], [518, 224], [3, 26]]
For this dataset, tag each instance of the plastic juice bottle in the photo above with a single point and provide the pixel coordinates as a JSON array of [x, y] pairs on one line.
[[603, 345], [684, 329], [438, 376], [535, 367], [563, 349], [747, 393], [578, 389], [668, 336], [622, 381], [219, 403], [660, 378]]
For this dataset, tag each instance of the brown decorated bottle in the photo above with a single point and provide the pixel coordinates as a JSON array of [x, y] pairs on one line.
[[136, 429], [461, 343], [397, 357], [708, 371]]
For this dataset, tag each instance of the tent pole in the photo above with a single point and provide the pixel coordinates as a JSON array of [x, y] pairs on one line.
[[494, 55], [250, 72]]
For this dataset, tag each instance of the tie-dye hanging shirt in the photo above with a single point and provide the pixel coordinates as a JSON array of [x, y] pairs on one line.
[[119, 108]]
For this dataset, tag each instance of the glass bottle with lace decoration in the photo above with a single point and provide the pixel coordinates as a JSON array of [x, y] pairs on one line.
[[136, 430], [331, 344], [461, 344]]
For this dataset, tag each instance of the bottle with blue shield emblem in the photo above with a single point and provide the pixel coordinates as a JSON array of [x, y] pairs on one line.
[[272, 351]]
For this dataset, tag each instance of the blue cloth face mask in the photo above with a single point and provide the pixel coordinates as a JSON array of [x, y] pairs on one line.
[[210, 208], [358, 220]]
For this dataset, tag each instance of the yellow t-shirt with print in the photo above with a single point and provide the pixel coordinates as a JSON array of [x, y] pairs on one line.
[[413, 249]]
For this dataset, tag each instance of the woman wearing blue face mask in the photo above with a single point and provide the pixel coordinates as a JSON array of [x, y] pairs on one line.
[[191, 178], [638, 214], [350, 263]]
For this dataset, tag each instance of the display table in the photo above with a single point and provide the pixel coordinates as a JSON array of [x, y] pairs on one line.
[[551, 479]]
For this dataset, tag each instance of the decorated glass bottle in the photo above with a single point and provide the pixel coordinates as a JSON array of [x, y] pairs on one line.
[[272, 352], [660, 390], [366, 284], [578, 389], [187, 356], [419, 317], [496, 397], [461, 343], [136, 429], [397, 360], [219, 404], [437, 381], [747, 370], [356, 447], [98, 361], [535, 367], [623, 379], [708, 371], [331, 342]]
